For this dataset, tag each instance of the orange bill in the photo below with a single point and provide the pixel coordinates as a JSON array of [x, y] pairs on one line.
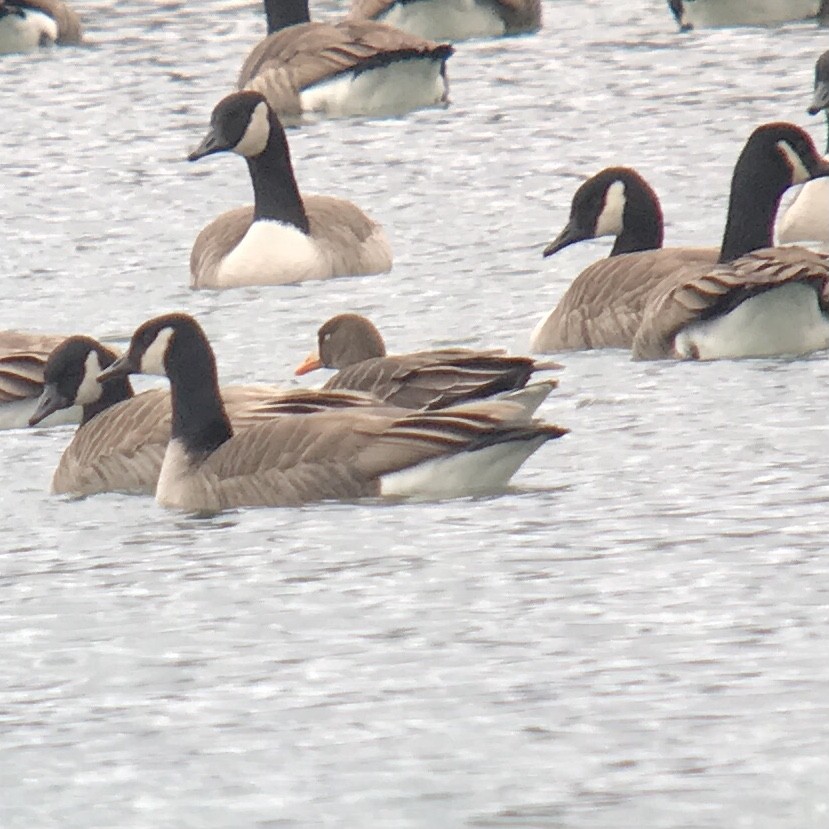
[[311, 363]]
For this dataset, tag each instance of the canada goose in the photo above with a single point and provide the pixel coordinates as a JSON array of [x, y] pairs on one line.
[[423, 380], [341, 69], [284, 237], [603, 306], [763, 304], [453, 19], [698, 14], [807, 218], [26, 25], [23, 355], [302, 458], [120, 443]]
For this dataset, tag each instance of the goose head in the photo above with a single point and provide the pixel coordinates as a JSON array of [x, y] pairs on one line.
[[240, 123], [343, 341], [820, 97]]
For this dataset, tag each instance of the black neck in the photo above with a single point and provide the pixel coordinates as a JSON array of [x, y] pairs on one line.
[[199, 418], [642, 224], [827, 118], [114, 391], [284, 13], [275, 191]]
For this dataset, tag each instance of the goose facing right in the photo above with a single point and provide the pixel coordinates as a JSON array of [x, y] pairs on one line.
[[285, 237], [25, 25], [299, 459]]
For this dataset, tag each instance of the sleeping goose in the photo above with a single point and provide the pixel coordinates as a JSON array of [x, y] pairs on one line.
[[807, 218], [422, 380], [284, 237], [453, 19], [774, 157], [698, 14], [342, 69], [603, 306], [26, 25], [120, 443], [298, 459]]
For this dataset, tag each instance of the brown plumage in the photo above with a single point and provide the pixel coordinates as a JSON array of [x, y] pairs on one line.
[[70, 30], [23, 355]]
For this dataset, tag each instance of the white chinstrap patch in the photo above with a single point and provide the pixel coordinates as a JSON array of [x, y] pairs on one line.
[[152, 360], [610, 221], [90, 390], [446, 19], [27, 32], [800, 175], [256, 135]]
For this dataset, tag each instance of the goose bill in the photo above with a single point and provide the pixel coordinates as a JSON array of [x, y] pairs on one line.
[[51, 401], [311, 363]]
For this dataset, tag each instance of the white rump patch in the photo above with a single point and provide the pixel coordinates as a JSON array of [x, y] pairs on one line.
[[152, 360], [26, 33], [783, 321], [446, 19], [800, 175], [807, 219], [611, 219], [256, 134], [89, 391]]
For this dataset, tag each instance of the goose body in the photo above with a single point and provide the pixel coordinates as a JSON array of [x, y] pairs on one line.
[[298, 459], [26, 25], [699, 14], [285, 237], [353, 346], [453, 19], [343, 69], [756, 301]]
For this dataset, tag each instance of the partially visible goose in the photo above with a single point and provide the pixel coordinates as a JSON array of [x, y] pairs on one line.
[[453, 19], [604, 304], [26, 25], [775, 157], [23, 356], [297, 459], [342, 69], [807, 218], [284, 237], [122, 438], [353, 346], [698, 14]]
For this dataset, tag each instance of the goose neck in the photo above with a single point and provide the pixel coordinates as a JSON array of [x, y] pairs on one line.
[[283, 13], [113, 391]]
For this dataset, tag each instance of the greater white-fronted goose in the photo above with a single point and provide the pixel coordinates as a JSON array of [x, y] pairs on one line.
[[341, 69], [121, 441], [353, 346], [298, 459], [453, 19], [284, 237], [604, 304], [807, 217], [26, 25], [701, 14]]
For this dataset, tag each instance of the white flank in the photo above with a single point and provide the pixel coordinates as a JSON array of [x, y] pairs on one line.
[[152, 360], [705, 13], [800, 175], [26, 33], [89, 391], [394, 89], [483, 471], [257, 133], [446, 19], [15, 415], [272, 253], [784, 321], [807, 219], [538, 338], [611, 219]]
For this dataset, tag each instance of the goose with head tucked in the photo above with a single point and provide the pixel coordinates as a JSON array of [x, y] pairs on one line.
[[284, 237], [353, 346], [756, 300], [297, 459], [120, 443], [26, 25], [453, 19], [701, 14], [309, 69]]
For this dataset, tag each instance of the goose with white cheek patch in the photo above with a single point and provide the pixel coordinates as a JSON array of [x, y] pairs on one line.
[[756, 301], [353, 346], [807, 217], [298, 459], [453, 19], [309, 69], [121, 441], [284, 237], [703, 14], [26, 25]]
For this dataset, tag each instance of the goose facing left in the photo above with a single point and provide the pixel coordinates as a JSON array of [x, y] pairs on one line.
[[285, 237], [26, 25], [298, 459]]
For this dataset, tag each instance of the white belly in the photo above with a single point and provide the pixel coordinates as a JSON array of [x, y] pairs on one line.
[[807, 218], [446, 19], [16, 415], [704, 13], [26, 33], [784, 321], [272, 253], [395, 89]]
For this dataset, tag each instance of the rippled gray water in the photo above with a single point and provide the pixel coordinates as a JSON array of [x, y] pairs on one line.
[[635, 636]]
